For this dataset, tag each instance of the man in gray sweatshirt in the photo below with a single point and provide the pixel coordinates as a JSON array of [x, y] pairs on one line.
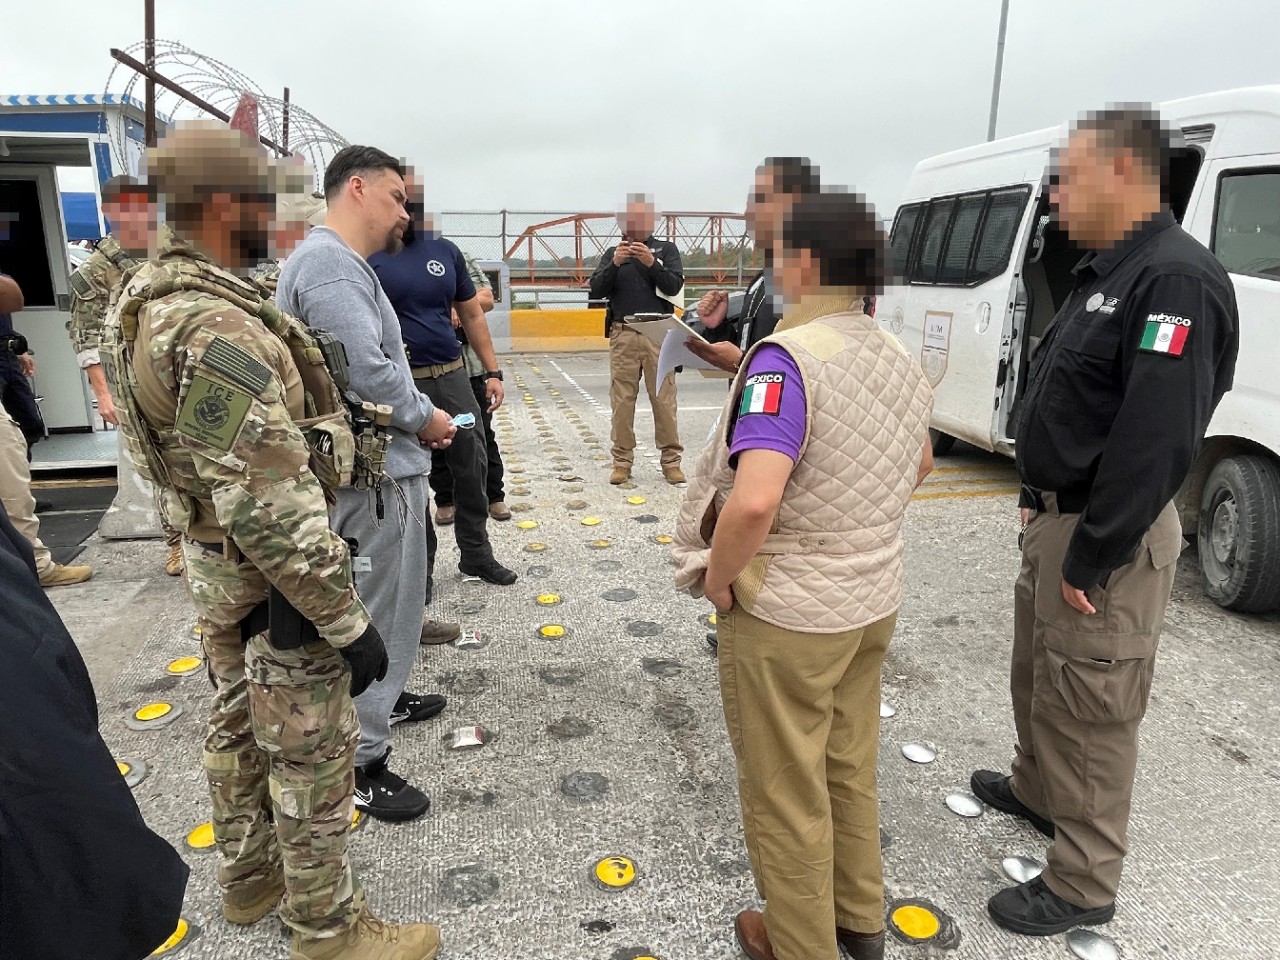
[[328, 284]]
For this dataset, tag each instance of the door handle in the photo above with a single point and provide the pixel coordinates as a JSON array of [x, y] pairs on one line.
[[984, 317]]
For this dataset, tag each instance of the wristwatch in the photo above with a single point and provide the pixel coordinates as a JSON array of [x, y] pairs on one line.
[[493, 374]]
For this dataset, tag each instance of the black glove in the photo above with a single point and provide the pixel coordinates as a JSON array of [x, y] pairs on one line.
[[367, 658]]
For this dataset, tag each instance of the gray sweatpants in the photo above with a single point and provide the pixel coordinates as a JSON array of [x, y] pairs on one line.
[[393, 590]]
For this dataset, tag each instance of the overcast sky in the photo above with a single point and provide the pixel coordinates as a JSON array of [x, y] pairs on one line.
[[567, 106]]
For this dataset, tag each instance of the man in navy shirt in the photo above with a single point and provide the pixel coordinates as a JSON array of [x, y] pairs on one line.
[[426, 282]]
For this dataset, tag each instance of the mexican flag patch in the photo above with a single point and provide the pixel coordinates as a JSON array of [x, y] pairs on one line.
[[1165, 334], [762, 394]]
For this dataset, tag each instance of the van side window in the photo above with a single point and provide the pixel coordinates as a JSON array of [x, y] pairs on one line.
[[937, 220], [964, 230], [904, 229], [1004, 214], [1246, 223]]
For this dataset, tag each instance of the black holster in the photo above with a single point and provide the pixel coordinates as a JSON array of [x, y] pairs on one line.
[[285, 627]]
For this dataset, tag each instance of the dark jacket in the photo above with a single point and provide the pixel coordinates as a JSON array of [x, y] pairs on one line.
[[633, 287], [1116, 404], [755, 319], [81, 874]]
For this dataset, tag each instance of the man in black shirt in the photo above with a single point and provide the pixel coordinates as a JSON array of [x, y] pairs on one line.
[[639, 275], [780, 182], [1121, 390]]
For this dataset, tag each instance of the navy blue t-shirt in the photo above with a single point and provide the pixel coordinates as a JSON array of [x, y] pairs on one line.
[[422, 282]]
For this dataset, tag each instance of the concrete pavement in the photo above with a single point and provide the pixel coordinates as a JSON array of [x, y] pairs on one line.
[[626, 691]]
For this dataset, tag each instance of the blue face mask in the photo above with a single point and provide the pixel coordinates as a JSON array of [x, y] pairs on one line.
[[464, 421]]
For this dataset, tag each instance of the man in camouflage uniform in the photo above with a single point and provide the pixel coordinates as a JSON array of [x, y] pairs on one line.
[[211, 394], [441, 478], [131, 210]]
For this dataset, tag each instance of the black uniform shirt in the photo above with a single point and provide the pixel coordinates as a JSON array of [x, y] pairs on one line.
[[633, 288], [757, 318], [1123, 386]]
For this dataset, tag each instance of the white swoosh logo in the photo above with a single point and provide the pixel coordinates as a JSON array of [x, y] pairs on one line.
[[364, 797]]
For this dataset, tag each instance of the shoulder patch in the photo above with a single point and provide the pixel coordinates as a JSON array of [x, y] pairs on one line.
[[213, 414], [1165, 333], [237, 365], [80, 286], [762, 393]]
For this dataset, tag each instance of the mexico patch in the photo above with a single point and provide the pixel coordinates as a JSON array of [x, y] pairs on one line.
[[1165, 334], [762, 394], [213, 414]]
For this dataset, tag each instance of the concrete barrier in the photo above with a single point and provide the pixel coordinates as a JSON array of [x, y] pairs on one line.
[[556, 331]]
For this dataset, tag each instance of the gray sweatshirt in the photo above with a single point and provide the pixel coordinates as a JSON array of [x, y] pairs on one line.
[[330, 287]]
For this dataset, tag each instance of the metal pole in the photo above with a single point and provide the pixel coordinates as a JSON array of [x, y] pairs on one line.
[[187, 95], [285, 132], [149, 32], [995, 84]]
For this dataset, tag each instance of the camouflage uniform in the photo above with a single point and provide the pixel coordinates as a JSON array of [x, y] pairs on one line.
[[220, 397], [266, 277], [94, 288]]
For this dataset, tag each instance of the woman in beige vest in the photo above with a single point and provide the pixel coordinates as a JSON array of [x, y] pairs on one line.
[[792, 528]]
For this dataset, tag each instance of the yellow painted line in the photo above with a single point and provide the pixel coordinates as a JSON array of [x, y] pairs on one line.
[[972, 467], [72, 484], [967, 493]]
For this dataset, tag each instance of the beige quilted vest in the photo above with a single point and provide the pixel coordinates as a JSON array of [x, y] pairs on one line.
[[833, 560]]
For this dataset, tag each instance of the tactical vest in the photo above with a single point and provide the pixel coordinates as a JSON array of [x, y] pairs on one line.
[[326, 424], [833, 558], [110, 248]]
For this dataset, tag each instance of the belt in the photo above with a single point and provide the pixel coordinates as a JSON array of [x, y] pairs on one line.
[[1056, 503], [227, 548], [434, 370]]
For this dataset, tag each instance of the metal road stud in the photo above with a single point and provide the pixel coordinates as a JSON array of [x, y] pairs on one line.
[[182, 935], [664, 539], [1021, 869], [552, 631], [201, 838], [591, 521], [916, 923], [153, 715], [1088, 945], [528, 524], [636, 501], [133, 771], [548, 599], [184, 666], [919, 752], [534, 547], [887, 710], [964, 805], [614, 873], [600, 544]]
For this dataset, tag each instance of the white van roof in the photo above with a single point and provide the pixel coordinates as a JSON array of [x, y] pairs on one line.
[[1244, 121]]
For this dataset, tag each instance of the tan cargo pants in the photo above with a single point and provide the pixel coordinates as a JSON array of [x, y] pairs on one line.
[[803, 712], [1080, 687], [630, 355], [15, 488]]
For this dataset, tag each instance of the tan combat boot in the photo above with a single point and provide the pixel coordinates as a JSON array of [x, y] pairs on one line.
[[63, 576], [673, 473], [250, 902], [174, 563], [371, 939], [621, 474], [499, 510]]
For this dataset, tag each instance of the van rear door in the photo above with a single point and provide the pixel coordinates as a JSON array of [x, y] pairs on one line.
[[960, 258]]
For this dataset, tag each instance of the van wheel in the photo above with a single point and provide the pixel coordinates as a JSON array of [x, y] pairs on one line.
[[941, 442], [1239, 534]]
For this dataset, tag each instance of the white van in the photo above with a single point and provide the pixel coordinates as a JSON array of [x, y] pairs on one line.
[[985, 270]]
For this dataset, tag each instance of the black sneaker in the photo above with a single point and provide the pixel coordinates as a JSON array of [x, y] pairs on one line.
[[491, 571], [1033, 909], [410, 708], [384, 796], [713, 641], [996, 790]]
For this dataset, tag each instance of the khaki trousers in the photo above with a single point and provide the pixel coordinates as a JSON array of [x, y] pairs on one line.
[[630, 355], [1080, 687], [803, 711], [15, 488]]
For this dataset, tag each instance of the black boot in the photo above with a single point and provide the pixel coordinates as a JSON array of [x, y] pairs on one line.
[[996, 790], [1033, 909]]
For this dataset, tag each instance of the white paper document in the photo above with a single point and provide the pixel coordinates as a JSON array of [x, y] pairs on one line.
[[675, 354]]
